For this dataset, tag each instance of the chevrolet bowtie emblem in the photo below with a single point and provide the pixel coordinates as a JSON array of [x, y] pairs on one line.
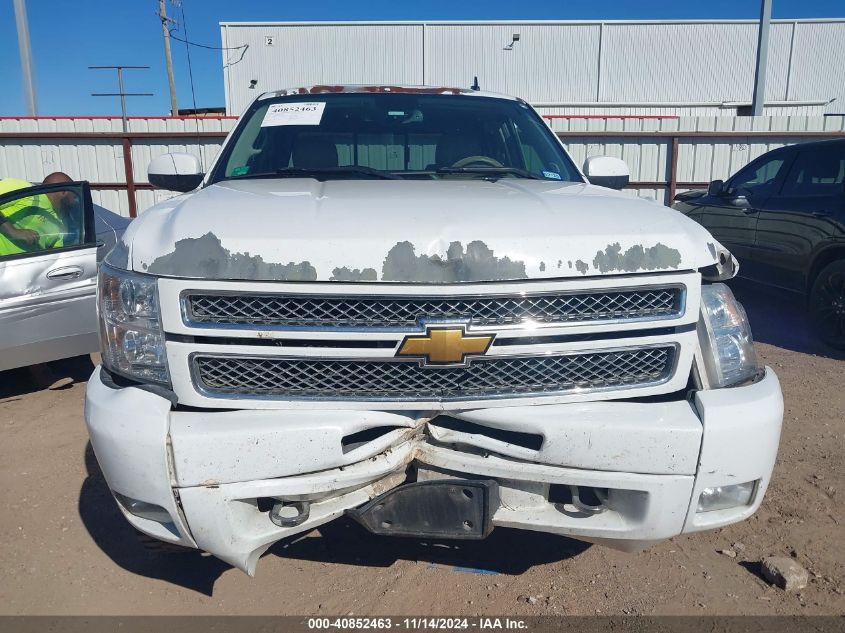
[[444, 346]]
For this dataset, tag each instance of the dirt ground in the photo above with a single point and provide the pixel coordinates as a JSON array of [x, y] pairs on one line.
[[66, 550]]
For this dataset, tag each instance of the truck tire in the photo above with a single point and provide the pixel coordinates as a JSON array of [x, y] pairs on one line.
[[827, 304], [160, 547]]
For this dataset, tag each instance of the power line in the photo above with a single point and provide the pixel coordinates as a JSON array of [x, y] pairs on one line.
[[181, 7], [214, 48], [242, 48]]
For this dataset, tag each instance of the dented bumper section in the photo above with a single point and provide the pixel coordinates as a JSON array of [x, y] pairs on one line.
[[624, 474]]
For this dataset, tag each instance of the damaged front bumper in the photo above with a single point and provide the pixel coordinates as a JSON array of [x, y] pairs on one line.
[[204, 479]]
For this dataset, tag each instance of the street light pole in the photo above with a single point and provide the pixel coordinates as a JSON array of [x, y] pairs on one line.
[[762, 53], [26, 57]]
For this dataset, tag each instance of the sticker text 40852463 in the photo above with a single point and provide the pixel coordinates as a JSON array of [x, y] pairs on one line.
[[297, 113]]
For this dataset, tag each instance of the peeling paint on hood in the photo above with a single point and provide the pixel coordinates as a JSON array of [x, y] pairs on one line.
[[206, 258], [477, 263], [636, 258], [439, 231]]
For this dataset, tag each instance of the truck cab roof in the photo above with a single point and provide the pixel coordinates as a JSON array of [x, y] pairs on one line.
[[381, 89]]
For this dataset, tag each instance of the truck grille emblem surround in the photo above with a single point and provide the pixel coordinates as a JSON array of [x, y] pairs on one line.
[[445, 346]]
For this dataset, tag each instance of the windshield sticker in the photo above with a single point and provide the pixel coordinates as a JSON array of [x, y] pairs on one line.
[[240, 171], [552, 174], [294, 114]]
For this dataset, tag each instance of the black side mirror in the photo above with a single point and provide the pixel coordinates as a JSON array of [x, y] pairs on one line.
[[716, 188]]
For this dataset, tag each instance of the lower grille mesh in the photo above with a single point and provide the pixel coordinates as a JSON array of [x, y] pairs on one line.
[[329, 379]]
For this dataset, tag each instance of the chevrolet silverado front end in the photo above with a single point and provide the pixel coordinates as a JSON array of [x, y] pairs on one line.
[[357, 314]]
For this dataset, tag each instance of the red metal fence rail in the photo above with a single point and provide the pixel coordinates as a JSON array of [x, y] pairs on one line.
[[673, 138]]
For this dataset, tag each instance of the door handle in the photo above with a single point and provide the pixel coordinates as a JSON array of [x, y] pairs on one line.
[[66, 272]]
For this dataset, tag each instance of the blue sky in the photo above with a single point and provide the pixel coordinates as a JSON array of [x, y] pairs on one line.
[[67, 37]]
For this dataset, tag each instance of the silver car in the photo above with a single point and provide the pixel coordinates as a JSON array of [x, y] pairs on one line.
[[47, 295]]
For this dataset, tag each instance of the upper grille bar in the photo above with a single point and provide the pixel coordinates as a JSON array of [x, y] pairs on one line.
[[249, 310]]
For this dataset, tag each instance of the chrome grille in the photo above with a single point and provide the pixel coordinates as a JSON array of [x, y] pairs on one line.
[[330, 379], [329, 311]]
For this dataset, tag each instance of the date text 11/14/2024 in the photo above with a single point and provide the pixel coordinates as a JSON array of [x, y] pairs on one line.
[[416, 623]]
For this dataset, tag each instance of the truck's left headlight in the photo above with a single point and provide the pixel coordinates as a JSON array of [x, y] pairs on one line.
[[130, 326], [725, 338]]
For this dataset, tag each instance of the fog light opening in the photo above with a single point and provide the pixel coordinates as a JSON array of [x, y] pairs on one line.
[[725, 497], [144, 510]]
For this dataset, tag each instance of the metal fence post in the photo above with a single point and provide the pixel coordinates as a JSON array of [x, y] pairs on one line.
[[673, 174], [130, 178]]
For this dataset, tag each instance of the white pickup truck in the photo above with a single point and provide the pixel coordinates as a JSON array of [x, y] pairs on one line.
[[408, 305]]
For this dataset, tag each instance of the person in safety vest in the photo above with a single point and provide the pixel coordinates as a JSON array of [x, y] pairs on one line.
[[40, 222]]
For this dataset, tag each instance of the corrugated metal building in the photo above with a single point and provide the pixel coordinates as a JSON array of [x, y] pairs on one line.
[[682, 68], [664, 155]]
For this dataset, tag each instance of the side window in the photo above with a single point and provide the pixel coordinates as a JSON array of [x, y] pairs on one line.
[[758, 178], [39, 219], [816, 173]]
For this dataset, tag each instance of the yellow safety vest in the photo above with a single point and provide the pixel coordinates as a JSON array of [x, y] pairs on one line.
[[30, 212]]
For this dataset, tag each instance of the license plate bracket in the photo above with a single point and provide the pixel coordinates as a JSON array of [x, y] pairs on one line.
[[448, 508]]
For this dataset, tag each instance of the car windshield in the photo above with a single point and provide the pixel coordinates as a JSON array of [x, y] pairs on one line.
[[393, 135]]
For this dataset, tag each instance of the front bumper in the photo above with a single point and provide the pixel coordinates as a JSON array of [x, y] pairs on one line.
[[209, 469]]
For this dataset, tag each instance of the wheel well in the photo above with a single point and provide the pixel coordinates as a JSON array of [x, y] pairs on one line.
[[824, 258]]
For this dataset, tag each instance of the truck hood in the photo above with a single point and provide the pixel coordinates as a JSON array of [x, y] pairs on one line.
[[438, 231]]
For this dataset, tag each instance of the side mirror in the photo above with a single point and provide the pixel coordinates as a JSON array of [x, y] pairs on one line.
[[716, 188], [606, 171], [175, 172]]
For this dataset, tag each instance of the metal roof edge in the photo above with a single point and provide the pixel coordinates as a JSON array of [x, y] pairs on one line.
[[525, 22]]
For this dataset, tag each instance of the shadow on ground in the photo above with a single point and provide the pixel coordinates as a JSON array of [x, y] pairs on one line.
[[24, 380], [343, 542], [117, 539], [505, 551], [779, 318]]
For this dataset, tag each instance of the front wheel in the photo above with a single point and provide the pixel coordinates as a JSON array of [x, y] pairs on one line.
[[827, 305]]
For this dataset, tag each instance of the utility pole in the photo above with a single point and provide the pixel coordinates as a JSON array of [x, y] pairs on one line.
[[26, 57], [762, 54], [168, 60], [122, 93]]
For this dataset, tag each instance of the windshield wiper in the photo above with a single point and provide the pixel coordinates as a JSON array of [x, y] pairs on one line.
[[490, 171], [321, 173]]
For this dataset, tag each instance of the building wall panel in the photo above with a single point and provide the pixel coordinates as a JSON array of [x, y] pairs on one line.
[[305, 55], [546, 61], [818, 61], [690, 66]]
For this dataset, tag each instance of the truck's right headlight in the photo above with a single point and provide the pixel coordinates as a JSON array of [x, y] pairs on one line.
[[725, 337], [130, 326]]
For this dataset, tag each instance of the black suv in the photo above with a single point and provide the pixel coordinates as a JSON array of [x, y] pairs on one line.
[[783, 218]]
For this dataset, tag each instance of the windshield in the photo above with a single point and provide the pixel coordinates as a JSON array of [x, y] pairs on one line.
[[397, 135]]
